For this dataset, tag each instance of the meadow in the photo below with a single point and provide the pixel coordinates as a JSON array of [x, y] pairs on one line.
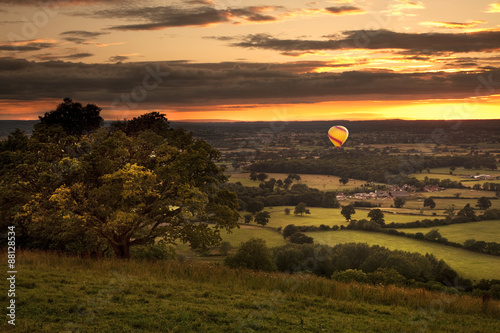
[[445, 202], [321, 182], [487, 231], [472, 265], [57, 293], [328, 216]]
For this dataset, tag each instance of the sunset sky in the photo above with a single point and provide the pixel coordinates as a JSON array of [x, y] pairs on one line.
[[245, 60]]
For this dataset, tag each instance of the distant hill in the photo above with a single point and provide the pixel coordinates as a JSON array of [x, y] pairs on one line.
[[9, 126]]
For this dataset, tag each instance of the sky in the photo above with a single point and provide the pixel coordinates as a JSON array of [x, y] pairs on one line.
[[247, 60]]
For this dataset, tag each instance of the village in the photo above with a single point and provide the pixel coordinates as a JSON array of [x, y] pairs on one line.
[[393, 192]]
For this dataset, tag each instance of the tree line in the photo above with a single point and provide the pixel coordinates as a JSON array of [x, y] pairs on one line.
[[374, 167]]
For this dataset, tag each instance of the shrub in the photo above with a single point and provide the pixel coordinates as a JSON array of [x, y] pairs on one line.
[[224, 248], [253, 254], [159, 251], [300, 238], [387, 276], [350, 275], [289, 230]]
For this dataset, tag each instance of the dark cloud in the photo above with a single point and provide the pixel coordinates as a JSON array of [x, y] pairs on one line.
[[118, 58], [79, 55], [242, 83], [30, 46], [154, 18], [200, 2], [52, 57], [424, 43], [81, 36], [343, 10], [55, 3]]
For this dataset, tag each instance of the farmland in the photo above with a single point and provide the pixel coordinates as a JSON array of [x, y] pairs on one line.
[[322, 182]]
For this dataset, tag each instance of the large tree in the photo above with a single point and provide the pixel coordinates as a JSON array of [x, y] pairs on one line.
[[131, 189]]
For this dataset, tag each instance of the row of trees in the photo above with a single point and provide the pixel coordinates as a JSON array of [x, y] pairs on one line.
[[388, 266], [78, 187], [373, 167], [254, 199]]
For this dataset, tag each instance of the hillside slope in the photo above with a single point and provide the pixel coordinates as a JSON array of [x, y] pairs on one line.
[[65, 294]]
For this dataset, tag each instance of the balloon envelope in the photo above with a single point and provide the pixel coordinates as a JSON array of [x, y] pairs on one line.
[[338, 135]]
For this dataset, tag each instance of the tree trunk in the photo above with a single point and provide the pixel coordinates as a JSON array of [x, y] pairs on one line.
[[122, 250]]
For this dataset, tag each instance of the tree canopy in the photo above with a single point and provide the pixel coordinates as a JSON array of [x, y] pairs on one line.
[[73, 117], [113, 189]]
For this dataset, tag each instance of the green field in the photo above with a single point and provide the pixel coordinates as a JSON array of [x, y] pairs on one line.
[[464, 193], [442, 204], [246, 232], [70, 294], [327, 216], [321, 182], [488, 231], [444, 173], [469, 264]]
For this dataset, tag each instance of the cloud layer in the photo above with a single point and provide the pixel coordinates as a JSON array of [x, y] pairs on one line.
[[175, 83], [380, 39]]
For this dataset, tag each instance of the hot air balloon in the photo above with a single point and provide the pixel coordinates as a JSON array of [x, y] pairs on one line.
[[338, 135]]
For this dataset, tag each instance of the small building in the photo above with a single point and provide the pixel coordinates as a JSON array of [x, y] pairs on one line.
[[399, 194], [361, 195], [382, 194]]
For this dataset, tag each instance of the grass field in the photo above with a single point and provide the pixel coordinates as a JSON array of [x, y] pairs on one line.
[[442, 204], [469, 264], [321, 182], [65, 294], [327, 216], [444, 173], [464, 193], [488, 231], [246, 232]]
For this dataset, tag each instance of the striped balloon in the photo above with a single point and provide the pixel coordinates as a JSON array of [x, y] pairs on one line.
[[338, 135]]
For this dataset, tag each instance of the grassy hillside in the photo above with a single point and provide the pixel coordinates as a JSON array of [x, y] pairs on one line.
[[468, 264], [65, 294]]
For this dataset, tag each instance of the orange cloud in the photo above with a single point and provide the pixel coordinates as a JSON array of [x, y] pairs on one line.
[[401, 5], [452, 25], [494, 8]]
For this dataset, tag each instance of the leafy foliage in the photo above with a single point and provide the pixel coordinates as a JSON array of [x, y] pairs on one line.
[[253, 254], [107, 189], [347, 211], [300, 238], [384, 265], [73, 117]]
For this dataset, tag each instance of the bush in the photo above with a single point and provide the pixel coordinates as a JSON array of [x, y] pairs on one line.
[[387, 276], [224, 248], [289, 230], [495, 291], [300, 238], [253, 254], [156, 251], [350, 275]]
